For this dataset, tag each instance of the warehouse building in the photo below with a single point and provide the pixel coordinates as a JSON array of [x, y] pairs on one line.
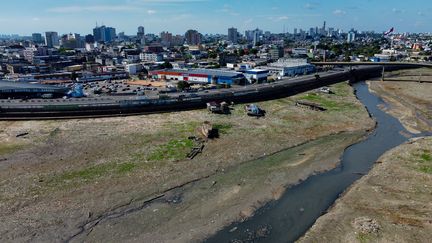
[[200, 76], [290, 67], [20, 90], [256, 75]]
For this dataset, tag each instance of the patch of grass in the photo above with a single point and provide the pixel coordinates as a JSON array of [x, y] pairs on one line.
[[186, 128], [328, 103], [91, 173], [87, 173], [426, 157], [426, 169], [126, 167], [341, 89], [424, 162], [223, 128], [9, 148], [173, 150], [54, 132], [363, 238]]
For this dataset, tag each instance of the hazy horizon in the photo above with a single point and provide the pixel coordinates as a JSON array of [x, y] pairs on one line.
[[212, 16]]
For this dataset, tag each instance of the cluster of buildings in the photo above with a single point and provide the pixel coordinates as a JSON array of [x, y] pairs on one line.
[[232, 58], [104, 54]]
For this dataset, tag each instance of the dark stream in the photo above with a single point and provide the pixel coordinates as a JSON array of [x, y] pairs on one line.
[[287, 219]]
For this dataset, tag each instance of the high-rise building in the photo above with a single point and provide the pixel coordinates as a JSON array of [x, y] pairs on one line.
[[233, 35], [295, 31], [141, 35], [141, 30], [351, 36], [323, 30], [166, 38], [177, 40], [72, 41], [37, 38], [89, 39], [51, 39], [104, 34], [276, 52], [193, 37], [311, 31], [256, 38], [253, 35]]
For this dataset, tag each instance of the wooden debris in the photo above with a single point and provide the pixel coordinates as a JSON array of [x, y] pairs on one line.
[[310, 105]]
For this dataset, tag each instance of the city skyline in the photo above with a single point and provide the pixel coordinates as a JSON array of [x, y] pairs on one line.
[[211, 16]]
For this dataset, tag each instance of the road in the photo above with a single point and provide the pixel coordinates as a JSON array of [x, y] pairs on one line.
[[128, 105]]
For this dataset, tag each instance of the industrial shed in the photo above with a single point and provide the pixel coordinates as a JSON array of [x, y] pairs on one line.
[[20, 90], [200, 76]]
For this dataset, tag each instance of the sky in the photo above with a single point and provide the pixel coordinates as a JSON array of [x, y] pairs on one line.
[[24, 17]]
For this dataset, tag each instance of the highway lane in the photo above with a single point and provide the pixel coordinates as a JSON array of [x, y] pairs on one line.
[[115, 99], [133, 105]]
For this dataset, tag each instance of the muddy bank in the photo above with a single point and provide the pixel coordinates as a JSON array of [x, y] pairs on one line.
[[199, 209], [103, 179], [390, 204], [409, 97]]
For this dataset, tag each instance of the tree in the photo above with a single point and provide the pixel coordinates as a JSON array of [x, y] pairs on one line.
[[166, 65], [241, 52], [212, 54], [74, 76], [182, 85], [254, 51]]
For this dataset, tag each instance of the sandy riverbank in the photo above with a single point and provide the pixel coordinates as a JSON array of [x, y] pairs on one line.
[[128, 179], [409, 96]]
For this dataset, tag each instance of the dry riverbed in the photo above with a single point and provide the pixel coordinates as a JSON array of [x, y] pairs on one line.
[[390, 204], [409, 96], [128, 179]]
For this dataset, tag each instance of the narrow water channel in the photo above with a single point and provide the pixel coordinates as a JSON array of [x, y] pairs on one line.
[[289, 218]]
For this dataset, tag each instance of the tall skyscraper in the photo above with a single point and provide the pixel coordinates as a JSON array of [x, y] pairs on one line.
[[256, 37], [166, 38], [51, 39], [141, 35], [104, 34], [141, 30], [233, 35], [351, 36], [193, 37], [323, 30], [253, 35], [37, 38]]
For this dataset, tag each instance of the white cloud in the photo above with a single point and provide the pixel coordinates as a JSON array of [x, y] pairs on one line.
[[311, 6], [95, 8], [339, 12], [151, 11], [165, 1], [248, 21], [227, 9], [36, 19]]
